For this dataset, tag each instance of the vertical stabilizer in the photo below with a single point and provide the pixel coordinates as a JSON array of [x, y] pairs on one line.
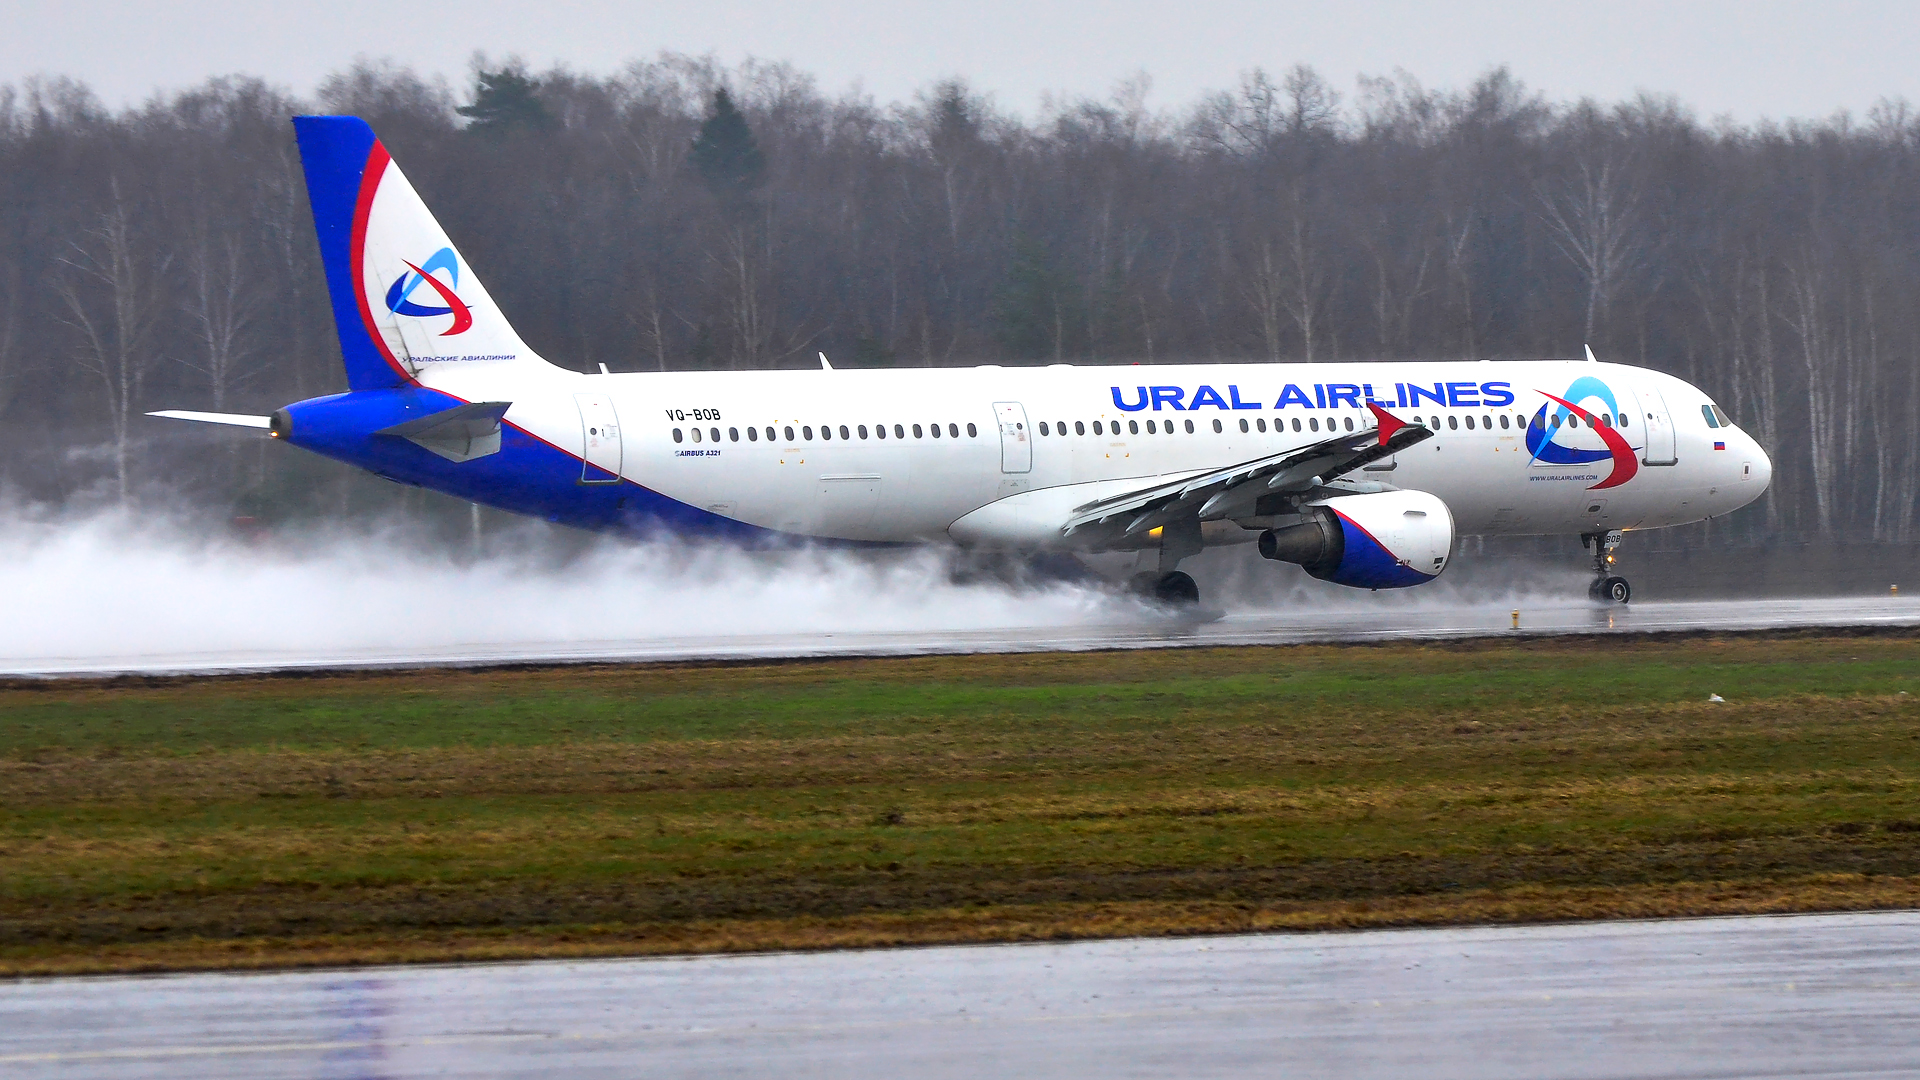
[[403, 298]]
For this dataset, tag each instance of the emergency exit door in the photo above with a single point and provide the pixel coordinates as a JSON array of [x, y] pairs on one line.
[[600, 427], [1016, 438], [1659, 430]]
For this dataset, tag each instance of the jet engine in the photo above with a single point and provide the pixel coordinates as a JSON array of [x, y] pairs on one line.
[[1386, 540]]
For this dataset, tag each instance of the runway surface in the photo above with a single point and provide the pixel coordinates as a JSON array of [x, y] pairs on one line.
[[1800, 996], [1125, 626]]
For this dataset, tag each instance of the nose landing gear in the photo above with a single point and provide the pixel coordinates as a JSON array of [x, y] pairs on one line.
[[1607, 587]]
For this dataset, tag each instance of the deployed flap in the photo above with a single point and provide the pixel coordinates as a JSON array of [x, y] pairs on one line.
[[1233, 490], [461, 433]]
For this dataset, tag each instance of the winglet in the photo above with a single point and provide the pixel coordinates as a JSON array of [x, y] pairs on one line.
[[1388, 422], [824, 366], [1591, 359]]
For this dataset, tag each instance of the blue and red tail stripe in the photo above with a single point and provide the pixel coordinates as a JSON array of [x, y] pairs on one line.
[[344, 162]]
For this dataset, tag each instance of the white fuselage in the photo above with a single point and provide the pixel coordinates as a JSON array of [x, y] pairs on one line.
[[851, 454]]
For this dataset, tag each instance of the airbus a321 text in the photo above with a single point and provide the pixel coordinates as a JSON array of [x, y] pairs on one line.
[[1362, 473]]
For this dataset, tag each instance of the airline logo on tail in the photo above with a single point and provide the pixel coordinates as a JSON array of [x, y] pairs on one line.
[[399, 296], [1542, 435]]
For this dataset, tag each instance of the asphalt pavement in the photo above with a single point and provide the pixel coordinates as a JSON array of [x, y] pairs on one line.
[[1792, 996], [1118, 626]]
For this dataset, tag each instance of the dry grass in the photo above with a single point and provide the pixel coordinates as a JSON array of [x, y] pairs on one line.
[[156, 824]]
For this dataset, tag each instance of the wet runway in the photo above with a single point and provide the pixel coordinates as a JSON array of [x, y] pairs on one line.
[[1120, 626], [1801, 996]]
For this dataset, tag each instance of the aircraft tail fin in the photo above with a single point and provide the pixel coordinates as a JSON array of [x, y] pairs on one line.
[[403, 298]]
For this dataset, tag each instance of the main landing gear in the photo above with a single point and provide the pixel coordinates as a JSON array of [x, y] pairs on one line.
[[1607, 587], [1174, 588], [1168, 585]]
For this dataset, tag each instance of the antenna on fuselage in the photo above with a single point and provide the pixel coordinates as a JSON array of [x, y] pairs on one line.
[[1591, 359], [824, 366]]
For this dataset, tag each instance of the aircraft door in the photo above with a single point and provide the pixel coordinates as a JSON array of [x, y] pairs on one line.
[[1016, 439], [600, 427], [1659, 428]]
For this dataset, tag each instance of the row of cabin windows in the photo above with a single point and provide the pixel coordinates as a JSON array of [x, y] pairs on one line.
[[879, 431], [1506, 422], [1311, 424]]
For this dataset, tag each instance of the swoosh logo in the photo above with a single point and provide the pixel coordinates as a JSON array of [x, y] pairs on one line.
[[398, 296], [1625, 465]]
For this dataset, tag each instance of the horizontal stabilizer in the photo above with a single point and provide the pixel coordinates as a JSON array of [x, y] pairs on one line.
[[230, 419], [461, 433]]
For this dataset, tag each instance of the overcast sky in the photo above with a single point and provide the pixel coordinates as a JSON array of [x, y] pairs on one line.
[[1752, 59]]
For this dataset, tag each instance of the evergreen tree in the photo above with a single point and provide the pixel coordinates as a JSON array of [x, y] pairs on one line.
[[504, 101], [725, 153]]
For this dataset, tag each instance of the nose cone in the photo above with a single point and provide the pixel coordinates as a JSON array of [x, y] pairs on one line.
[[1762, 469]]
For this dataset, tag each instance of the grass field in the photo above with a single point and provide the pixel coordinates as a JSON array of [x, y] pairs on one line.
[[154, 824]]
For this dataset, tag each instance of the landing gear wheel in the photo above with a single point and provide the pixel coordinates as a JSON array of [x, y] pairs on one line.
[[1178, 589], [1614, 589]]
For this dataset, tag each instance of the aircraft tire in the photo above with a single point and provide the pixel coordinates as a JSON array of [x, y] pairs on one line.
[[1176, 589], [1616, 590]]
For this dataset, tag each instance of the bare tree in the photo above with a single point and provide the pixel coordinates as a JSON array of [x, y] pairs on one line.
[[220, 305], [1593, 223], [108, 284]]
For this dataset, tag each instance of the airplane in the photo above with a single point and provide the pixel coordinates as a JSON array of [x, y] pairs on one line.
[[1361, 473]]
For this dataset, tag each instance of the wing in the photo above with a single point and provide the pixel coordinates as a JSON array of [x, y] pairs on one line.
[[1233, 491]]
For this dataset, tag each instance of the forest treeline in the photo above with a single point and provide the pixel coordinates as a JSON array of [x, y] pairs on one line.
[[683, 215]]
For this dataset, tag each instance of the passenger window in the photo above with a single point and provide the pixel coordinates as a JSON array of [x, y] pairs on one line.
[[1243, 425], [879, 431], [769, 434], [790, 433], [863, 430], [1079, 427], [1436, 423], [1260, 425], [1189, 427], [676, 435], [1707, 411], [696, 434], [1349, 422], [845, 434], [753, 434], [935, 429], [805, 433], [1133, 427], [1216, 427], [1152, 429], [1313, 423], [1296, 423], [1097, 429], [1487, 422], [716, 433], [1043, 429], [1469, 423], [1623, 419], [1453, 423], [899, 432], [916, 432], [953, 430], [1503, 421], [733, 434], [972, 432]]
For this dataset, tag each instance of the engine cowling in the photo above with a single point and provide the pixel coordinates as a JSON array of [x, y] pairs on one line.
[[1386, 540]]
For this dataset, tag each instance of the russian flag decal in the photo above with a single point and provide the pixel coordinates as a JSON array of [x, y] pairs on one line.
[[1719, 446]]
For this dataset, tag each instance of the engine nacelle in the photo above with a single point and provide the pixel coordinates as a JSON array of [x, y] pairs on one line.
[[1387, 540]]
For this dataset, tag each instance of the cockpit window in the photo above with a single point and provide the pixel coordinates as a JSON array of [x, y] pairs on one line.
[[1724, 422], [1707, 411]]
